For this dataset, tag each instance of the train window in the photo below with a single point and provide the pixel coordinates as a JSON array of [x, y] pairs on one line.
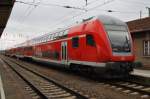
[[61, 33], [28, 48], [56, 55], [46, 38], [55, 35], [75, 42], [50, 36], [42, 40], [46, 54], [90, 40], [65, 32]]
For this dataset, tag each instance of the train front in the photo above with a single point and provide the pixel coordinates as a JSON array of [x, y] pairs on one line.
[[121, 60]]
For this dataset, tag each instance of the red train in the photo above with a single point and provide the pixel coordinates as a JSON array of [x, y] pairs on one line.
[[102, 45]]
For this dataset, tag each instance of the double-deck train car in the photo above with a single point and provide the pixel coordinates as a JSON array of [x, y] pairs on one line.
[[102, 45]]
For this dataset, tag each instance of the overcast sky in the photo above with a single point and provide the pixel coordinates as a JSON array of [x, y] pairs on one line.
[[31, 18]]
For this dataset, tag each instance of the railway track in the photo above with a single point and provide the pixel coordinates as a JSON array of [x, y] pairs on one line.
[[132, 88], [42, 87], [126, 86]]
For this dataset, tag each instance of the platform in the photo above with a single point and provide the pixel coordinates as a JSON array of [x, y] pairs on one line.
[[142, 73], [10, 87]]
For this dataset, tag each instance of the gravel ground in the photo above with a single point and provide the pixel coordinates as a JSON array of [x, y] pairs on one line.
[[12, 84], [94, 89]]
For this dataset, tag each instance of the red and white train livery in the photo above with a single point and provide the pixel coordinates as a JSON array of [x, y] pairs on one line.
[[102, 44]]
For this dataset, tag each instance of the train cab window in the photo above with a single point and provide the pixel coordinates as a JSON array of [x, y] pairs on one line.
[[75, 42], [90, 40]]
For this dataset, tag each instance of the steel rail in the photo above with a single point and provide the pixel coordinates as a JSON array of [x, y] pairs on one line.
[[78, 95]]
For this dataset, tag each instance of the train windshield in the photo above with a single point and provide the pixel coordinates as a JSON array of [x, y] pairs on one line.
[[118, 34], [119, 38]]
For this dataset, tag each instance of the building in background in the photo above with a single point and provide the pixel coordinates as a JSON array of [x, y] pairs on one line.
[[140, 31]]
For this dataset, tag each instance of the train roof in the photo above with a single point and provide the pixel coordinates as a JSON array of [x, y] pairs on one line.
[[109, 20]]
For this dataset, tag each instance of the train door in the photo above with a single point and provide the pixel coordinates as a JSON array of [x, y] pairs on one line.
[[64, 52]]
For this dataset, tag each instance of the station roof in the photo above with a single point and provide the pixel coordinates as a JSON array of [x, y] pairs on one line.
[[139, 25], [5, 10]]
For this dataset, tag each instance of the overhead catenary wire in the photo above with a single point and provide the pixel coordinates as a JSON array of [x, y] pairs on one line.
[[117, 11], [84, 8], [28, 13], [53, 4], [95, 8], [104, 3], [25, 13], [33, 4], [44, 4], [88, 3], [78, 14], [47, 4], [81, 13], [135, 2], [30, 9]]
